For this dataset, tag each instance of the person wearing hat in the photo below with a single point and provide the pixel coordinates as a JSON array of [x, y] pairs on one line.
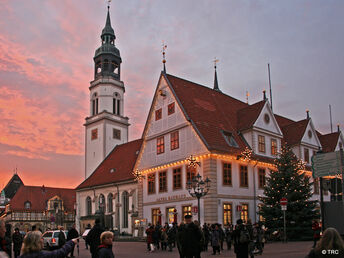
[[190, 239], [17, 240]]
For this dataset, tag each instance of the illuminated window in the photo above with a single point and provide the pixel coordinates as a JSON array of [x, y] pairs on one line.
[[170, 215], [243, 176], [273, 147], [190, 173], [227, 173], [175, 140], [261, 218], [160, 147], [162, 181], [170, 109], [94, 134], [177, 178], [155, 216], [316, 185], [151, 183], [227, 214], [306, 152], [244, 212], [186, 210], [158, 114], [261, 143], [261, 178]]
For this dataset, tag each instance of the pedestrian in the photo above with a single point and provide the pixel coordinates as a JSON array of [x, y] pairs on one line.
[[251, 244], [215, 238], [72, 233], [33, 245], [206, 234], [105, 249], [191, 239], [316, 232], [149, 233], [330, 245], [228, 235], [93, 237], [241, 240], [222, 235], [85, 235], [17, 240], [164, 238], [180, 230], [5, 243], [62, 238], [171, 237]]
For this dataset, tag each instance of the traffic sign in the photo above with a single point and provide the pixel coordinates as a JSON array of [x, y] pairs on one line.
[[284, 201], [326, 164], [284, 207]]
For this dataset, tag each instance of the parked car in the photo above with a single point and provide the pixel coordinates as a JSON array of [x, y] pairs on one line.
[[51, 239]]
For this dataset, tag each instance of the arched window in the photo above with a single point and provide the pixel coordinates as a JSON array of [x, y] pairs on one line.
[[27, 205], [101, 205], [95, 104], [125, 205], [88, 206], [110, 204], [116, 103]]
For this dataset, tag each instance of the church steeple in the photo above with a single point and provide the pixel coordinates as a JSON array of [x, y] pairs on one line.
[[216, 85], [107, 58]]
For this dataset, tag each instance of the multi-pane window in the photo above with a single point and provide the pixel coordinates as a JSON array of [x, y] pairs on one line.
[[125, 204], [190, 173], [261, 178], [261, 218], [244, 212], [306, 152], [160, 147], [243, 176], [316, 185], [170, 215], [158, 114], [116, 134], [116, 106], [101, 204], [177, 178], [162, 181], [95, 106], [151, 183], [261, 143], [110, 204], [186, 210], [273, 147], [227, 173], [174, 140], [155, 216], [94, 134], [170, 109], [88, 206], [227, 214]]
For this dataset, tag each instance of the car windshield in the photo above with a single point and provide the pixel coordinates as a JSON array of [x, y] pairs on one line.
[[47, 234], [56, 234]]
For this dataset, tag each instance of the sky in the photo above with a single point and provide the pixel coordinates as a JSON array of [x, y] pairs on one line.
[[46, 65]]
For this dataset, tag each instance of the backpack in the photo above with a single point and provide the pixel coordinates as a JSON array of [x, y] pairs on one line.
[[244, 236]]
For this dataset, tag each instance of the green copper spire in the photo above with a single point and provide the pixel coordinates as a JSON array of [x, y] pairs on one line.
[[108, 33]]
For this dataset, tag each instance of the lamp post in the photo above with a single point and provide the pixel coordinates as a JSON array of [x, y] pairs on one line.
[[198, 188]]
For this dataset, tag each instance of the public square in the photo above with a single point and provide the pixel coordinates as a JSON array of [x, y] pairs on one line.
[[138, 250]]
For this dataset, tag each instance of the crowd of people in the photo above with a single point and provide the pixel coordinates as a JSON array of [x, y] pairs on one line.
[[191, 239]]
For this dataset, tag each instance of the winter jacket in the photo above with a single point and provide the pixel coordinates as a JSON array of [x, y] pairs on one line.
[[72, 233], [93, 237], [17, 240], [105, 251], [62, 252], [215, 238], [191, 239]]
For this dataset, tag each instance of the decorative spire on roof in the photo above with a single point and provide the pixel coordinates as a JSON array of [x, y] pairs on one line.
[[264, 95], [247, 95], [216, 85], [108, 30], [307, 111], [338, 128], [164, 46]]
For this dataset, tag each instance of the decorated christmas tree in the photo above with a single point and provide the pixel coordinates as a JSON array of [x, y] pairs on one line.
[[290, 182]]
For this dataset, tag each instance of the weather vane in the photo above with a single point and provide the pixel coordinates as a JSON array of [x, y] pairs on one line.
[[164, 46], [215, 62], [109, 1]]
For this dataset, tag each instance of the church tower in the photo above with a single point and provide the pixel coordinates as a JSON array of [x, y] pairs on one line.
[[106, 126]]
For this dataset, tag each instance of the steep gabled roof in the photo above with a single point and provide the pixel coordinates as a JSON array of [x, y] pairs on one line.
[[329, 141], [12, 186], [248, 116], [116, 167], [38, 195], [293, 133], [210, 112]]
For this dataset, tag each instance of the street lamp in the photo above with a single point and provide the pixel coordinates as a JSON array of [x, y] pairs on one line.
[[197, 187]]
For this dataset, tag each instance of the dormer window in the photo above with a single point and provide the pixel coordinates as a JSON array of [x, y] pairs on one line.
[[229, 138], [27, 205]]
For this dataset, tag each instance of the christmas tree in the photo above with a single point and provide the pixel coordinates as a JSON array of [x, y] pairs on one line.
[[289, 182]]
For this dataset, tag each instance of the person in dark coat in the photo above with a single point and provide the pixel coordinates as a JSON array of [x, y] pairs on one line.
[[228, 235], [5, 243], [191, 239], [62, 238], [240, 246], [316, 232], [180, 229], [17, 240], [93, 237], [33, 245], [105, 249], [215, 238], [149, 233], [206, 234], [171, 237], [72, 233]]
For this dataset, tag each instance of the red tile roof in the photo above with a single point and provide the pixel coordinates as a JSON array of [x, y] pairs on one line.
[[122, 159], [249, 115], [38, 195], [294, 132], [329, 141]]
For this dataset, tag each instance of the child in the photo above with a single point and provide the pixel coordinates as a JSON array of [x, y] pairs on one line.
[[105, 248]]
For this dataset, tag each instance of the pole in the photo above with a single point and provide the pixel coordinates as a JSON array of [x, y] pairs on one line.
[[118, 215], [322, 205], [285, 230], [270, 86], [342, 169], [330, 118], [199, 210]]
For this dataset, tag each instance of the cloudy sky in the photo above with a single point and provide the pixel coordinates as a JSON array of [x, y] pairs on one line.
[[46, 64]]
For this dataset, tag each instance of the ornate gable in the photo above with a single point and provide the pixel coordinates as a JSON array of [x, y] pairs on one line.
[[266, 121]]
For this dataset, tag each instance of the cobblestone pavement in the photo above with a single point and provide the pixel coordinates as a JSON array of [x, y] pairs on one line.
[[138, 250]]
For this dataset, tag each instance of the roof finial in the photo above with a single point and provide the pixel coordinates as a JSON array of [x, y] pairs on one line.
[[247, 95], [216, 85], [338, 128], [307, 111], [264, 94], [164, 46], [109, 1]]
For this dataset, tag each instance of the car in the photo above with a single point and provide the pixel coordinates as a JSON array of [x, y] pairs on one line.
[[51, 239]]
